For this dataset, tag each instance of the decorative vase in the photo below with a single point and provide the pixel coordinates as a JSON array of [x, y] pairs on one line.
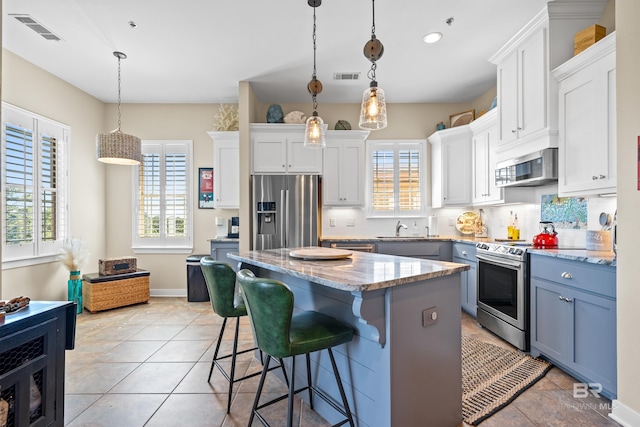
[[74, 290]]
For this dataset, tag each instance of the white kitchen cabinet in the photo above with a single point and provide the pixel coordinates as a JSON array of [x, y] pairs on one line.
[[484, 146], [587, 145], [343, 178], [451, 167], [226, 169], [279, 149], [527, 94], [485, 140]]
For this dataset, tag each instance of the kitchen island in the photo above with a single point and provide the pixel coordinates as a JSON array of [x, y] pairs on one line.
[[403, 366]]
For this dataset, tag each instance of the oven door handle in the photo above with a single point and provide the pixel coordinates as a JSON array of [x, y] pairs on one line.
[[494, 261]]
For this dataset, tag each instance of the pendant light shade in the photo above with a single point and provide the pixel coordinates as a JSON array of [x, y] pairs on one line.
[[117, 147], [314, 130], [373, 112]]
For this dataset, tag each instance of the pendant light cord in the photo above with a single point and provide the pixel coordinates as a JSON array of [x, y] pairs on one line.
[[313, 75], [119, 80], [371, 74]]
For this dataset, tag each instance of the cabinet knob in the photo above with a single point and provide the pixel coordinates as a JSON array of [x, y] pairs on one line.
[[566, 275], [601, 176], [464, 253], [594, 177], [568, 299], [561, 298], [513, 131]]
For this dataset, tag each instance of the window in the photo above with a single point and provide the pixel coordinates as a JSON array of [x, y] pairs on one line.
[[35, 182], [163, 217], [396, 171]]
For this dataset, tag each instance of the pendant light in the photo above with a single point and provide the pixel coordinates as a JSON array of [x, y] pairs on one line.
[[117, 147], [314, 130], [373, 114]]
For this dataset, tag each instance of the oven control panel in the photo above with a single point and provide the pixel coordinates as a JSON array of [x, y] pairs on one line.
[[494, 248]]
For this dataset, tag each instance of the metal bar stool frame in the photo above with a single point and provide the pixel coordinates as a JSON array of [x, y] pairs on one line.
[[246, 278], [218, 277]]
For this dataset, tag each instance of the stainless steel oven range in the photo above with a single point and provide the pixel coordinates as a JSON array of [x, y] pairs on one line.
[[503, 292]]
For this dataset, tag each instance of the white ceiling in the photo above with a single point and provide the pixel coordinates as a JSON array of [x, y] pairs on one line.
[[196, 51]]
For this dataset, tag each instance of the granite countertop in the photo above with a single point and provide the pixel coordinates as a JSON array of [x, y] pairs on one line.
[[593, 257], [576, 254], [224, 239], [362, 271]]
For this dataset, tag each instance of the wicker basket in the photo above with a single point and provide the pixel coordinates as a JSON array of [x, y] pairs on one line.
[[99, 294]]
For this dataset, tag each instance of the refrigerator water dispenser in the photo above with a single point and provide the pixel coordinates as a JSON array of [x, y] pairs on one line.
[[266, 217]]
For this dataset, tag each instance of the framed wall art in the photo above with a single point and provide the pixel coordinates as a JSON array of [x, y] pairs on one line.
[[463, 118], [205, 188]]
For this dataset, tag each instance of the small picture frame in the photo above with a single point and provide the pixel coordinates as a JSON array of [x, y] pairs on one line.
[[463, 118], [205, 188]]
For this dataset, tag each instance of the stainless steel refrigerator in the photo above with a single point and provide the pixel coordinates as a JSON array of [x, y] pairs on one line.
[[285, 211]]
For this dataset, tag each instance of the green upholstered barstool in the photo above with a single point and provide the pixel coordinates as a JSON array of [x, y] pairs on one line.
[[221, 282], [280, 333]]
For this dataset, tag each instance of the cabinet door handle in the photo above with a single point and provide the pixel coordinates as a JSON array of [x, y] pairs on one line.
[[601, 176], [561, 298], [566, 275], [594, 177], [282, 166], [513, 131], [464, 253], [568, 299]]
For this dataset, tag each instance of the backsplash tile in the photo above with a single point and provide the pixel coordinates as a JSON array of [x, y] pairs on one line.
[[564, 212]]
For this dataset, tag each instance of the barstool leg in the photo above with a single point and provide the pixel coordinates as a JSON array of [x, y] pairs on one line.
[[265, 369], [345, 403], [309, 380], [215, 353], [291, 392], [234, 354]]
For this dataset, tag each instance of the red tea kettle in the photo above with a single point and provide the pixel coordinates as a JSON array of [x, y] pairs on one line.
[[548, 237]]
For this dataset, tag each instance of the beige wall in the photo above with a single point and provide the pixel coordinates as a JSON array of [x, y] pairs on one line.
[[628, 93], [34, 89], [162, 122], [405, 120]]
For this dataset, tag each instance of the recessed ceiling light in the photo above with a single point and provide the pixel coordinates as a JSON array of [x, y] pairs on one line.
[[432, 37]]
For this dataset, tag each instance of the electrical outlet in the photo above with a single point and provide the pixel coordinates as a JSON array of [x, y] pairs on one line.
[[451, 221], [429, 316], [351, 222], [332, 222]]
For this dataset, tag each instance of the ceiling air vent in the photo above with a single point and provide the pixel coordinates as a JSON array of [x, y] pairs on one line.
[[346, 76], [37, 27]]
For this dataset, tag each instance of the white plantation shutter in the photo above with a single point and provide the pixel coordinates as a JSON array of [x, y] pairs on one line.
[[35, 178], [397, 177], [163, 200]]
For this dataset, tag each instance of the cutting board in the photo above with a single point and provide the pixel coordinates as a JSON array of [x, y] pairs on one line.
[[320, 253]]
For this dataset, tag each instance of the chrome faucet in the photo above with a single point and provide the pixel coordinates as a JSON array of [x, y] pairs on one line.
[[398, 227]]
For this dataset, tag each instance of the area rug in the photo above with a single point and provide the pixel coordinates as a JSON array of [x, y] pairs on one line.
[[493, 376]]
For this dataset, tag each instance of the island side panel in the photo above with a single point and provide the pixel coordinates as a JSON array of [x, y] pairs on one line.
[[413, 376], [363, 363], [426, 365]]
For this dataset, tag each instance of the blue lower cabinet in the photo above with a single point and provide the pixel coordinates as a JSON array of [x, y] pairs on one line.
[[220, 249], [464, 253], [573, 319]]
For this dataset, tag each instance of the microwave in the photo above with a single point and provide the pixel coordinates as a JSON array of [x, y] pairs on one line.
[[539, 168]]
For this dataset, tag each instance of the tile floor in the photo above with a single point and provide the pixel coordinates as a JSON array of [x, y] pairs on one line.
[[146, 365]]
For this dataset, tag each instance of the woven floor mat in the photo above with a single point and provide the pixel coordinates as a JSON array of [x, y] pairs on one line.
[[493, 376]]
